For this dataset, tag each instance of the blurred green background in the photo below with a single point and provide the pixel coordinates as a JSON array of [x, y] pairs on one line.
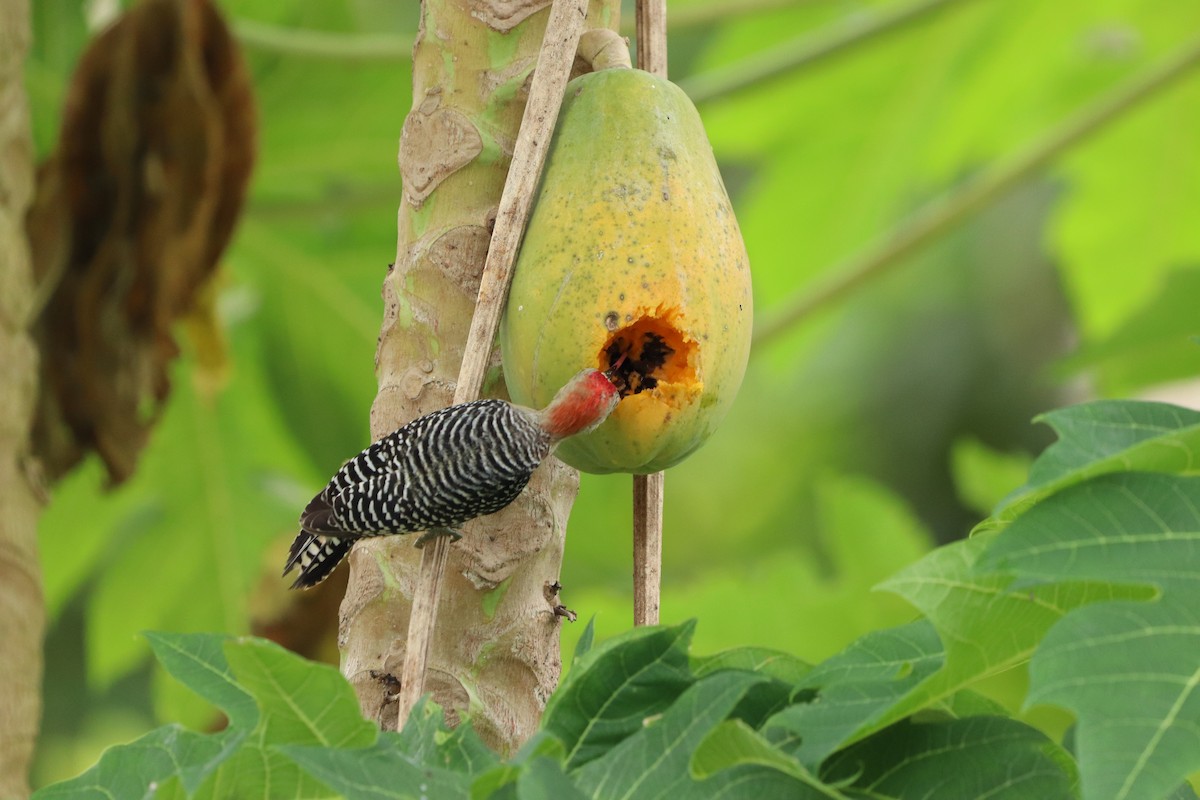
[[865, 433]]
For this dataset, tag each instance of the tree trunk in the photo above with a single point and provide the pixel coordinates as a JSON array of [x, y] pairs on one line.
[[495, 653], [22, 612]]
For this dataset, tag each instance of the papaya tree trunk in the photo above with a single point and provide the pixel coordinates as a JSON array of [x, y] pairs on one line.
[[22, 612], [495, 652]]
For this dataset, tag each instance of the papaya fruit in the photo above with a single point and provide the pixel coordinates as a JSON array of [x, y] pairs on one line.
[[632, 262]]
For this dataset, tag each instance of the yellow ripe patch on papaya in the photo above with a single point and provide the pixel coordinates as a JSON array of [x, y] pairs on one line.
[[632, 263]]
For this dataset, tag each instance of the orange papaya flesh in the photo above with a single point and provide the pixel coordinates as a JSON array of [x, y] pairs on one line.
[[632, 262]]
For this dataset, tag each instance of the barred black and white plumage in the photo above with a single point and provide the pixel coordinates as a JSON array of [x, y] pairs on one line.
[[441, 470]]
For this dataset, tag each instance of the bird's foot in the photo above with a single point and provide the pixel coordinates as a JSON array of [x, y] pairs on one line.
[[433, 533]]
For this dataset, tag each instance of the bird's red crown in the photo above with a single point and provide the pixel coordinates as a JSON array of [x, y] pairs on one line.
[[581, 405]]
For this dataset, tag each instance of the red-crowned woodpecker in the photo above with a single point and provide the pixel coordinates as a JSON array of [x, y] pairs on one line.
[[440, 470]]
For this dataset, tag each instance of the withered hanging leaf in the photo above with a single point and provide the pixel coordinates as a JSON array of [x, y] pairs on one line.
[[132, 213]]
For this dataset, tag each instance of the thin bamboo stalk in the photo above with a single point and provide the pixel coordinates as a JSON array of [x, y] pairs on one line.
[[648, 489]]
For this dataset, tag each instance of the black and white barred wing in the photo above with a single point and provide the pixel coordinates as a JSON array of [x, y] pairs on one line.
[[439, 471]]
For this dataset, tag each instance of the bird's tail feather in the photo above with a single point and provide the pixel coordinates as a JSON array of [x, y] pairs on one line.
[[316, 556]]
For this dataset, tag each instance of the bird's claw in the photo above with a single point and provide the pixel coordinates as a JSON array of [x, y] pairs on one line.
[[433, 533]]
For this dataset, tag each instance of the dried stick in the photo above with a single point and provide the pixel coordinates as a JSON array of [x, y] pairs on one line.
[[648, 489], [529, 154], [647, 547], [652, 36]]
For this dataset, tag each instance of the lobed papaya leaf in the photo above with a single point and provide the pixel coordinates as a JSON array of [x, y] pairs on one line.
[[993, 757], [197, 660], [733, 743], [382, 771], [857, 690], [988, 622], [257, 770], [585, 641], [653, 762], [545, 779], [1153, 346], [138, 769], [1108, 436], [271, 697], [500, 782], [617, 685], [762, 660], [1128, 671], [300, 702]]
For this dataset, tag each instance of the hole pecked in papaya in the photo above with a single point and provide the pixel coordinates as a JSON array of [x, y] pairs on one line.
[[646, 352]]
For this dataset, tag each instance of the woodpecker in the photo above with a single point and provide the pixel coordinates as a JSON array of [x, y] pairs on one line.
[[440, 470]]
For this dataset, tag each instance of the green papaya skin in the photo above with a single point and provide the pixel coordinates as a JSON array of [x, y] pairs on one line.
[[633, 258]]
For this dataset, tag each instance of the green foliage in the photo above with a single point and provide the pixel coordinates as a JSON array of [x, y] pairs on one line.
[[1154, 345], [1105, 436], [635, 720], [1092, 581]]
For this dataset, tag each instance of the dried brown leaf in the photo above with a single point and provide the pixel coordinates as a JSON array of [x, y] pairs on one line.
[[132, 213]]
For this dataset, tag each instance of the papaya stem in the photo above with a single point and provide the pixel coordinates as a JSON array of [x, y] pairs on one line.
[[648, 489], [603, 48], [555, 58], [806, 50], [890, 248]]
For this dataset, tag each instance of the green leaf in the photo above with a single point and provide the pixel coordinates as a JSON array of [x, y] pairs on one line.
[[1153, 346], [198, 661], [501, 781], [784, 673], [858, 689], [300, 702], [968, 703], [734, 743], [585, 641], [463, 751], [255, 770], [1128, 670], [987, 622], [1131, 528], [544, 779], [1108, 436], [426, 739], [654, 761], [1183, 792], [426, 724], [992, 757], [382, 771], [134, 770], [761, 660], [271, 696], [611, 691]]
